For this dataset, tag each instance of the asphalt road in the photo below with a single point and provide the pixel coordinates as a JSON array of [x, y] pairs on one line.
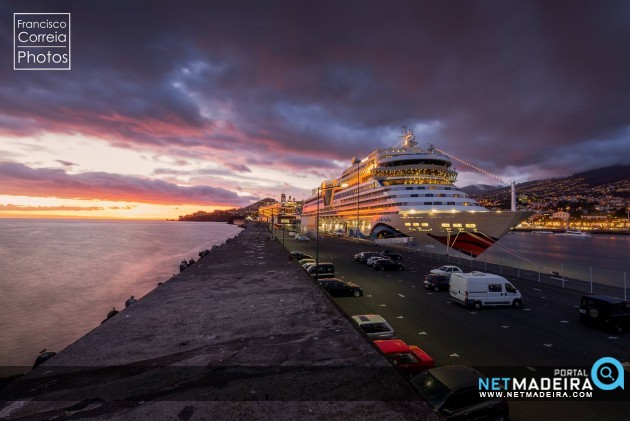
[[544, 333]]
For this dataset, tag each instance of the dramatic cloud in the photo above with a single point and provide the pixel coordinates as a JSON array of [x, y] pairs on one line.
[[523, 89], [20, 180]]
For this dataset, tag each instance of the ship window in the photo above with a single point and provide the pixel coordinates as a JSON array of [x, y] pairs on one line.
[[437, 203], [425, 224], [450, 203], [415, 224], [471, 225], [421, 188], [446, 225], [428, 195], [408, 188], [414, 195], [457, 225], [407, 224], [466, 203], [428, 203]]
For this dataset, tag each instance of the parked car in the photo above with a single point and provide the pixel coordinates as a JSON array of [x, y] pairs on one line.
[[338, 288], [305, 261], [370, 261], [453, 392], [605, 312], [292, 234], [409, 359], [436, 282], [365, 255], [446, 270], [302, 238], [298, 255], [374, 326], [323, 270], [391, 254], [388, 264], [479, 289]]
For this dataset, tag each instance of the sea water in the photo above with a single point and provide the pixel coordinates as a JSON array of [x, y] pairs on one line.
[[60, 278]]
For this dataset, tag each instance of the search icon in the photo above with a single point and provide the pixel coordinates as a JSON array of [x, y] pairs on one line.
[[606, 373]]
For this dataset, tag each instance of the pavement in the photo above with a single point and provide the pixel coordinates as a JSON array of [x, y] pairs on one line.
[[543, 335], [244, 333]]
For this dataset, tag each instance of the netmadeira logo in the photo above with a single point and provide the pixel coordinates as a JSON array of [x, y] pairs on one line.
[[41, 41], [566, 383]]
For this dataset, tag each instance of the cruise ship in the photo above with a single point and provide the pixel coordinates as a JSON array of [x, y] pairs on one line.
[[407, 192]]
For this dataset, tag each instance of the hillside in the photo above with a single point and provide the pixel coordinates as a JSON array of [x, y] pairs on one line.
[[590, 186]]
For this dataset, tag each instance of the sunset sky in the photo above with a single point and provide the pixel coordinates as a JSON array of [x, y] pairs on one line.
[[177, 106]]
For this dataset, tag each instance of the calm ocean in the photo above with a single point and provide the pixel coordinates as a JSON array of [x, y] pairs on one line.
[[59, 278]]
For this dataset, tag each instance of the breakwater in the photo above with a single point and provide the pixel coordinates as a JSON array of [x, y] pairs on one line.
[[243, 333]]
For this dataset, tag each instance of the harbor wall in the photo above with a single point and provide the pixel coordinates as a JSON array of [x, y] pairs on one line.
[[243, 333]]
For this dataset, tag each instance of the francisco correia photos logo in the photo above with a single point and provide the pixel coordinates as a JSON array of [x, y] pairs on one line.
[[41, 41]]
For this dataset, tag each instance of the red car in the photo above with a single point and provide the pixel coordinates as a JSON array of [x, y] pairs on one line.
[[409, 359]]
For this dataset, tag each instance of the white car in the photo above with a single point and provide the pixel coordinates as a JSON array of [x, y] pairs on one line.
[[302, 238], [446, 270], [374, 326]]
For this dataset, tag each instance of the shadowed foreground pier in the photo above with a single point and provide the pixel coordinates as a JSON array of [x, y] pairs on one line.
[[242, 334]]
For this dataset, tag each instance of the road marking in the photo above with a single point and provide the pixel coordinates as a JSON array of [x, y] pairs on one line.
[[564, 321], [531, 368], [548, 345], [536, 289], [422, 333], [473, 312], [449, 302], [401, 296], [400, 317], [383, 305], [429, 293], [613, 337], [505, 327], [369, 295], [576, 306], [454, 355], [413, 286], [527, 309], [542, 298]]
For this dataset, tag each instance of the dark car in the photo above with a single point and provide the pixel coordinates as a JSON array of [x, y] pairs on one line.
[[298, 255], [605, 312], [323, 270], [388, 264], [338, 288], [436, 282], [363, 256], [391, 254], [453, 392]]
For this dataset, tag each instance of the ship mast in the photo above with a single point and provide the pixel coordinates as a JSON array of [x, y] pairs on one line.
[[408, 137]]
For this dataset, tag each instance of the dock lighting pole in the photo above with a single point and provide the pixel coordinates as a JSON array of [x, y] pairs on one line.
[[317, 237], [358, 162]]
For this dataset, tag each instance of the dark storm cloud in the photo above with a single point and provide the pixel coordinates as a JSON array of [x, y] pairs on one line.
[[298, 84]]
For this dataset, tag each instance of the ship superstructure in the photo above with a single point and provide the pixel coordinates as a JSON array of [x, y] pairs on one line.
[[407, 192]]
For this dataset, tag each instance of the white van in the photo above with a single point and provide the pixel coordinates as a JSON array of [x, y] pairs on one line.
[[478, 289]]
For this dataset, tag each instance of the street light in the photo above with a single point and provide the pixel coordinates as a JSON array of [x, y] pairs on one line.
[[358, 162], [319, 189]]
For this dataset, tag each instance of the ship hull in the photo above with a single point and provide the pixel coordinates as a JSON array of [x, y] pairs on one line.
[[464, 234]]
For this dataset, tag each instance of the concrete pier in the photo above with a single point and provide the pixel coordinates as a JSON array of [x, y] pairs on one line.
[[244, 333]]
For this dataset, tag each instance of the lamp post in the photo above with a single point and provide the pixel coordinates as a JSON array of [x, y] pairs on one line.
[[358, 162], [317, 237]]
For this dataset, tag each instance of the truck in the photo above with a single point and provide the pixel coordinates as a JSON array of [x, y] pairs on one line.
[[479, 289]]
